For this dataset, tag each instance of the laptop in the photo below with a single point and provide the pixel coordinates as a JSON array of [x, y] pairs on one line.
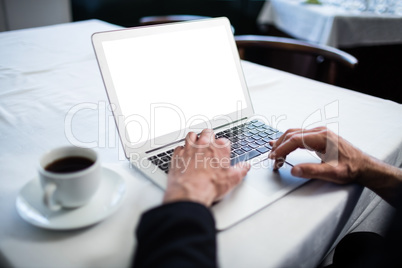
[[166, 80]]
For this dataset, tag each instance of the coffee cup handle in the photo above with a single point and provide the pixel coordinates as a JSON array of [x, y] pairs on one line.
[[48, 197]]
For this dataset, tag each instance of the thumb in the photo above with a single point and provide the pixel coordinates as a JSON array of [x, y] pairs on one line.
[[316, 171], [240, 169], [235, 174]]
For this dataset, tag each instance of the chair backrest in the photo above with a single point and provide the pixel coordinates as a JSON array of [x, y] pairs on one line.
[[151, 20], [314, 61]]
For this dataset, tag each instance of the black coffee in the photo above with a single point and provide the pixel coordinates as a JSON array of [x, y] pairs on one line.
[[69, 164]]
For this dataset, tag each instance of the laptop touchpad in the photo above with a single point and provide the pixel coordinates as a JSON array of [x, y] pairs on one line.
[[272, 183]]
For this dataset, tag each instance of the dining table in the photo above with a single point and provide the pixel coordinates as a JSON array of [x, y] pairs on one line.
[[339, 25], [52, 95]]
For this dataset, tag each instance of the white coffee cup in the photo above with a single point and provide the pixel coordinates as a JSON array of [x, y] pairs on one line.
[[67, 183]]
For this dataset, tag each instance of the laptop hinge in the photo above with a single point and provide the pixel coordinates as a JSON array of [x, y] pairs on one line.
[[178, 141]]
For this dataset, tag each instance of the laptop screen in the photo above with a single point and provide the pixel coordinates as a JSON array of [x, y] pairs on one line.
[[170, 81]]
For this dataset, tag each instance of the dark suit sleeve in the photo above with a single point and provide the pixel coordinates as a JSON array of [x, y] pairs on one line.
[[180, 234]]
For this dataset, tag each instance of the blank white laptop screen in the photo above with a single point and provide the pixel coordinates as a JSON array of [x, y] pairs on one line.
[[188, 71], [155, 77]]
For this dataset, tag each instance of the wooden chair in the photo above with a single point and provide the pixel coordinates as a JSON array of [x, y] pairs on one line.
[[318, 62], [151, 20]]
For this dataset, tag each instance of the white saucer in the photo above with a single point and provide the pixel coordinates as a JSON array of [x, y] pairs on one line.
[[106, 200]]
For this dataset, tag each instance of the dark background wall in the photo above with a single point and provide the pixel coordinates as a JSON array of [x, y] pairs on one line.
[[379, 72], [242, 13]]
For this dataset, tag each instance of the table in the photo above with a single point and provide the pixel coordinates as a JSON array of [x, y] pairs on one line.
[[332, 25], [49, 75]]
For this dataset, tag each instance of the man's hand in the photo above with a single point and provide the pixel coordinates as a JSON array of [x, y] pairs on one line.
[[201, 172], [341, 161]]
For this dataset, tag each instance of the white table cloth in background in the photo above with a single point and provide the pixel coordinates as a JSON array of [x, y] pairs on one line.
[[51, 94], [332, 25]]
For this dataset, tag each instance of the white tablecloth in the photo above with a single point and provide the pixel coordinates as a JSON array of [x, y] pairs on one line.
[[332, 25], [47, 74]]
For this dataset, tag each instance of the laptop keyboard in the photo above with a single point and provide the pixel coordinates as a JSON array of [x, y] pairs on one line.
[[248, 140]]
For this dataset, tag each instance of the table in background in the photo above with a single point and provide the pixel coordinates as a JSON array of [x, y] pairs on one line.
[[51, 94], [332, 25], [374, 39]]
